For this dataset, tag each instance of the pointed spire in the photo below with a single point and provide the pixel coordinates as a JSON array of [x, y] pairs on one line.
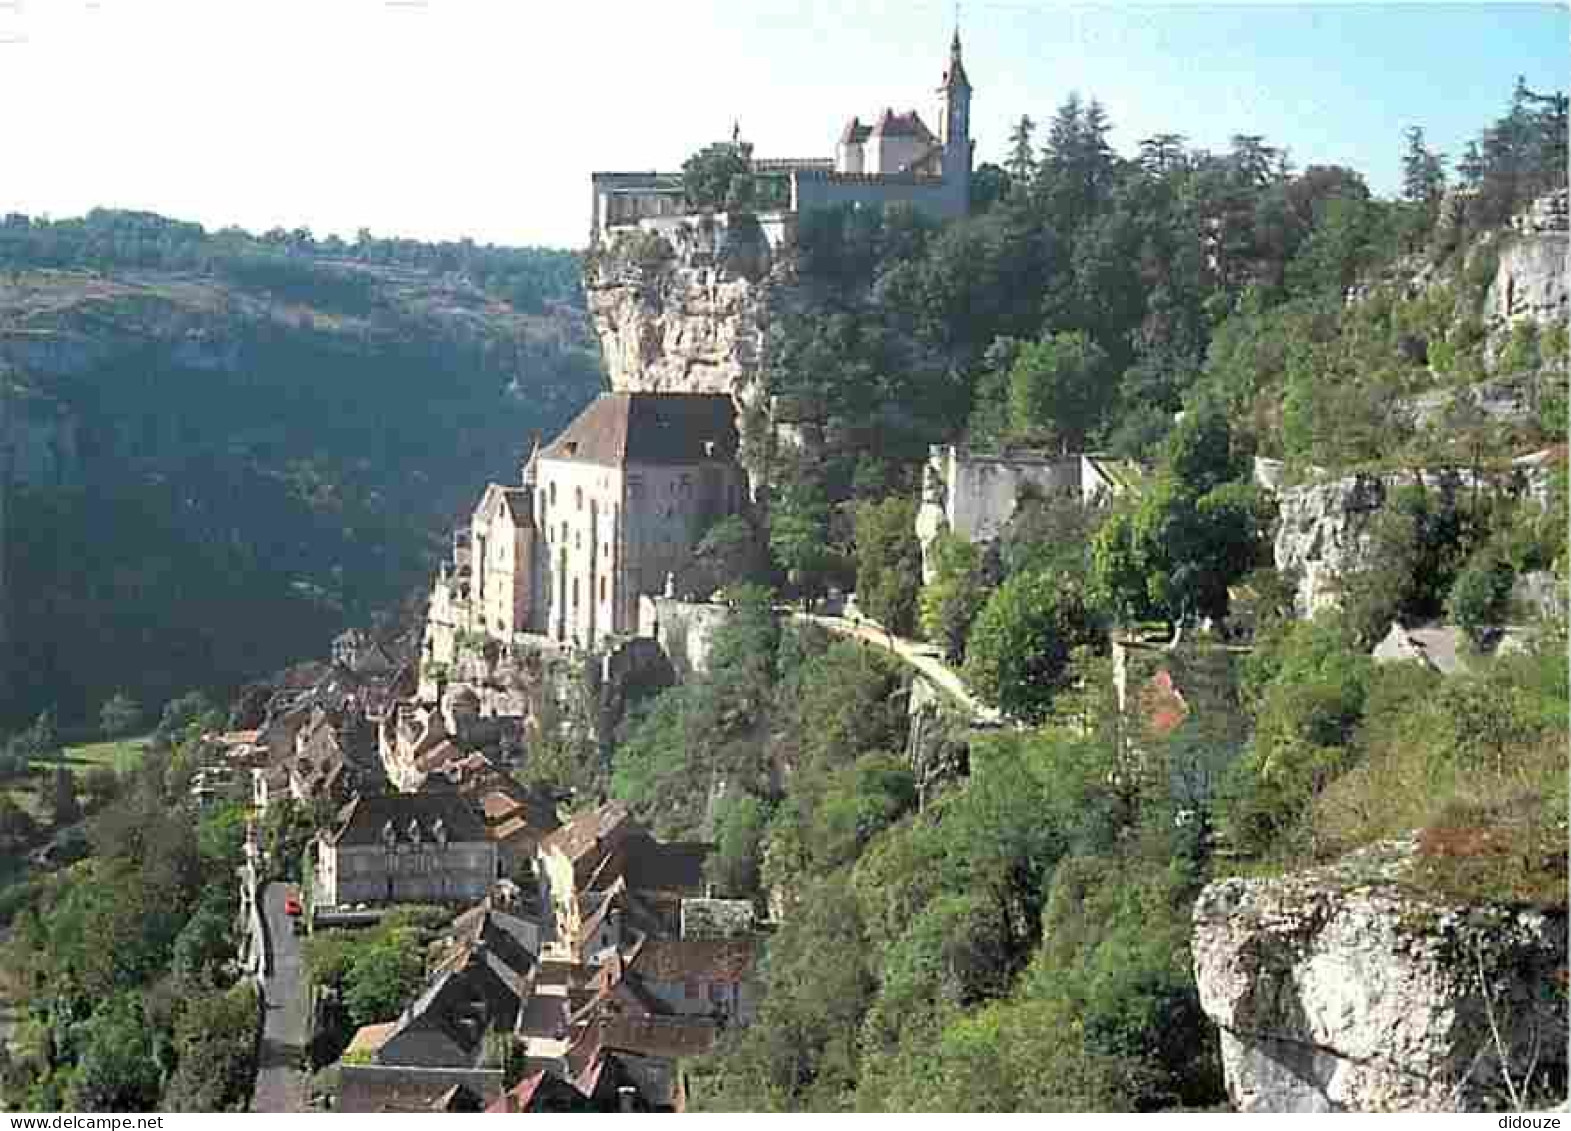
[[532, 464], [955, 76]]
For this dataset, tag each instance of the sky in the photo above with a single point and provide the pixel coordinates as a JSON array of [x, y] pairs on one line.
[[438, 119]]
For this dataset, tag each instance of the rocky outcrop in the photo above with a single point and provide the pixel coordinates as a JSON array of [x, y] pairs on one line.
[[1324, 529], [1336, 990]]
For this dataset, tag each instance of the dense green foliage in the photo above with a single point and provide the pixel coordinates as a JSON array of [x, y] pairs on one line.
[[123, 963], [1196, 527], [1011, 931], [246, 443], [1017, 655], [290, 262]]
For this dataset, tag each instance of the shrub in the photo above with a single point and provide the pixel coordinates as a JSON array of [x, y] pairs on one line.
[[1478, 596]]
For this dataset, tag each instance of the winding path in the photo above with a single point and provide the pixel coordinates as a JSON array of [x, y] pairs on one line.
[[280, 1084], [919, 655]]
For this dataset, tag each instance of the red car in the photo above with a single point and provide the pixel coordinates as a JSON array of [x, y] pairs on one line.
[[292, 904]]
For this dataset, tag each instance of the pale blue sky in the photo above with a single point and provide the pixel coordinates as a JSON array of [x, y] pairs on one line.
[[444, 118]]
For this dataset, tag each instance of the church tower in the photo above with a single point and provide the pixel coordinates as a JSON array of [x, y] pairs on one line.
[[954, 123]]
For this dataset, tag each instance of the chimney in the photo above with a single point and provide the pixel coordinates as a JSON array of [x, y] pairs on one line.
[[624, 1099]]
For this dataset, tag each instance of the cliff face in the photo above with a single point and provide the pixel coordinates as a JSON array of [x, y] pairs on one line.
[[1530, 281], [684, 313], [1336, 991], [1324, 528]]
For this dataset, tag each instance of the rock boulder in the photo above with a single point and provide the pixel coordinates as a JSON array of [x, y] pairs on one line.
[[1336, 989]]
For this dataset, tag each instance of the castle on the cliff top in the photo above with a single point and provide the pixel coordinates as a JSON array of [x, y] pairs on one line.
[[894, 158]]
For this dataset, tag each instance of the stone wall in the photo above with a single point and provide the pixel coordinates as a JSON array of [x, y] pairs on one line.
[[940, 197], [973, 494], [685, 631], [1335, 990]]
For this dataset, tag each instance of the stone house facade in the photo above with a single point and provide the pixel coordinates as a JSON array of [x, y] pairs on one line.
[[606, 512]]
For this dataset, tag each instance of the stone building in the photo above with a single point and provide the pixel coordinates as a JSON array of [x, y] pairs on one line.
[[895, 158], [974, 494], [605, 513], [405, 848]]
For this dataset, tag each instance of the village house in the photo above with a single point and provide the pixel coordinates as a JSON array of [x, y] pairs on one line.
[[404, 848], [1446, 649], [606, 512]]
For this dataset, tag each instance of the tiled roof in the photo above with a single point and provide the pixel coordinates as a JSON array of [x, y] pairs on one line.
[[653, 866], [378, 1088], [369, 1038], [583, 833], [727, 961], [667, 1037], [438, 756], [662, 428], [909, 124], [519, 1097], [855, 132], [362, 819], [498, 806]]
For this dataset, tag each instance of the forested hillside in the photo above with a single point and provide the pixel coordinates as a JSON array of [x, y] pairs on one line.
[[1017, 937], [227, 447]]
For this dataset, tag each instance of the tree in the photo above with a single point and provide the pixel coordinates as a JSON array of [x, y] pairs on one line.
[[709, 175], [1162, 154], [64, 806], [1021, 163], [101, 784], [956, 594], [798, 536], [215, 1048], [1193, 531], [42, 739], [120, 715], [382, 977], [116, 1069], [17, 828], [888, 563], [1423, 171], [1017, 656], [734, 865]]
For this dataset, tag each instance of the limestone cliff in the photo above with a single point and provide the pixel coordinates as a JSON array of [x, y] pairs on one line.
[[685, 311], [1530, 280], [1336, 990], [1325, 527]]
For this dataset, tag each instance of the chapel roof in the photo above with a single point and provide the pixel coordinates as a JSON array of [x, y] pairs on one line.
[[662, 428], [909, 124]]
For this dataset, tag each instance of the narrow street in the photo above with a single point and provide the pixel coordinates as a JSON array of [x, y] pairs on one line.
[[280, 1083]]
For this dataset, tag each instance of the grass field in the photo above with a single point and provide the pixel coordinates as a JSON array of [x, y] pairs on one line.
[[120, 755]]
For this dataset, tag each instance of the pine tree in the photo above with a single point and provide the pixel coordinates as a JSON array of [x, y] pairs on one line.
[[65, 807], [1423, 171], [1162, 154]]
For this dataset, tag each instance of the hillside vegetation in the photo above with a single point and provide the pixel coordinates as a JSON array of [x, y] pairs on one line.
[[1015, 934], [228, 447]]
